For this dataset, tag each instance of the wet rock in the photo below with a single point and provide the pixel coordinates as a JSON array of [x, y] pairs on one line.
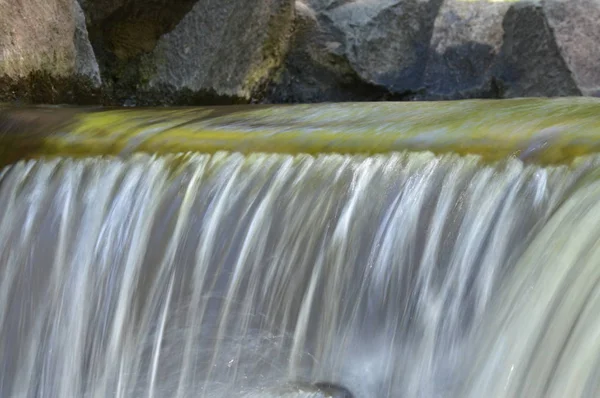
[[304, 390], [576, 28], [333, 390], [44, 52]]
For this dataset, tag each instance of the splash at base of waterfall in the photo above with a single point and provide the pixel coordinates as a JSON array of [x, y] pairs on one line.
[[224, 275]]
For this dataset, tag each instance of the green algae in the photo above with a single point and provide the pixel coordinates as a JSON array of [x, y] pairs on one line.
[[547, 131]]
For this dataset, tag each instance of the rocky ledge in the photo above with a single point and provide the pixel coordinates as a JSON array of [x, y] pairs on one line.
[[163, 52]]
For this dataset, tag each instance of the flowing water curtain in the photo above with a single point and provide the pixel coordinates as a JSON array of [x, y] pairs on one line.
[[542, 336], [226, 274]]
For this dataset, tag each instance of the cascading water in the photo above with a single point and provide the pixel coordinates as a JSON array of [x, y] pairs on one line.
[[402, 274]]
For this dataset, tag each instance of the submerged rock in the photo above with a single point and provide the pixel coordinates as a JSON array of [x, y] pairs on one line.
[[303, 390]]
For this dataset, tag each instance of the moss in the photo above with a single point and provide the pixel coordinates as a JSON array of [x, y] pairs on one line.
[[42, 87], [494, 130], [274, 50]]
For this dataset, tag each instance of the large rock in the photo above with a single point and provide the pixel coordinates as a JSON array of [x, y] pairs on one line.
[[530, 63], [576, 27], [151, 52], [189, 51], [230, 48], [45, 54], [466, 39], [317, 67], [481, 49], [386, 41], [344, 49], [428, 50], [121, 30]]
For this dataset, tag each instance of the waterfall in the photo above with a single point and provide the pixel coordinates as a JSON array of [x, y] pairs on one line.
[[401, 274]]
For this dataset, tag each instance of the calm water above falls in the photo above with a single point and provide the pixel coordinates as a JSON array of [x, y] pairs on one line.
[[224, 275]]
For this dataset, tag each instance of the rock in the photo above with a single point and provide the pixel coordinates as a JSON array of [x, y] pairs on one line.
[[85, 59], [194, 52], [44, 52], [576, 28], [302, 390], [466, 40], [530, 63], [121, 30], [386, 42], [355, 50], [496, 50], [317, 68], [334, 390], [229, 48], [189, 51], [430, 50]]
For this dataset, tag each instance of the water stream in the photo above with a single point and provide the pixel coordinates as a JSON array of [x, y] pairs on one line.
[[404, 274]]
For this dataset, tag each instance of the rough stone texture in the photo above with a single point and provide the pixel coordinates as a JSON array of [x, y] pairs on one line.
[[467, 37], [378, 46], [229, 48], [85, 59], [44, 52], [317, 67], [503, 49], [195, 52], [348, 50], [44, 35], [387, 41], [124, 29], [530, 63], [428, 50], [576, 27]]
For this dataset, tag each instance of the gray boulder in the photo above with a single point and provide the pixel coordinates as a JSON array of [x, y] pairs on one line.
[[317, 67], [466, 40], [356, 50], [45, 55], [189, 51], [229, 48], [386, 41], [576, 27], [430, 50], [149, 52], [530, 63], [85, 59]]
